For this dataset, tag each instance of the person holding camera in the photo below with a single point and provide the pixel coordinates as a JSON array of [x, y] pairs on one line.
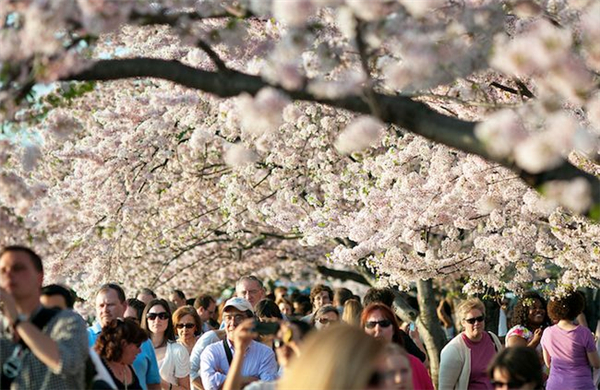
[[44, 348], [258, 360]]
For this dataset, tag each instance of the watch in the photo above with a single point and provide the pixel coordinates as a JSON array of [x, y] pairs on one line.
[[20, 318]]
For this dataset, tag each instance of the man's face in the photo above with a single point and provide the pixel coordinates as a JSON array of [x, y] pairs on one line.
[[19, 276], [206, 314], [51, 301], [109, 307], [321, 299], [177, 300], [232, 318], [251, 291]]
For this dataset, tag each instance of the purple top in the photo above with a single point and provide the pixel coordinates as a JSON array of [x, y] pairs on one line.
[[482, 353], [569, 366]]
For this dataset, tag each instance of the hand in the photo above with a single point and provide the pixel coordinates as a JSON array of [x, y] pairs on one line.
[[9, 308], [537, 336], [244, 334]]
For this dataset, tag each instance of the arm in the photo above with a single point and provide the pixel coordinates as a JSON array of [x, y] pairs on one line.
[[443, 316], [64, 350], [547, 358], [451, 365], [594, 359], [211, 374]]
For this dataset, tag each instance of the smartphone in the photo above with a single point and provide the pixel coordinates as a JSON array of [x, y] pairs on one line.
[[411, 327], [266, 328]]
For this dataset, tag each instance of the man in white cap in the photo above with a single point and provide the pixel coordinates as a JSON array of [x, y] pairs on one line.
[[259, 362]]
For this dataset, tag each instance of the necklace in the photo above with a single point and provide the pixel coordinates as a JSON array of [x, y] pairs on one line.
[[113, 367]]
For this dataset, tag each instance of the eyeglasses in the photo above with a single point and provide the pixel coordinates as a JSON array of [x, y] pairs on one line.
[[516, 384], [382, 323], [473, 320], [163, 316], [237, 318], [187, 326]]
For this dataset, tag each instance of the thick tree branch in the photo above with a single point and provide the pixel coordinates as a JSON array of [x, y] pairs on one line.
[[342, 275], [401, 111]]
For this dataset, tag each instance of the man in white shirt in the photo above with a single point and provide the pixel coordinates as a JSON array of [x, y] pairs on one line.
[[259, 362]]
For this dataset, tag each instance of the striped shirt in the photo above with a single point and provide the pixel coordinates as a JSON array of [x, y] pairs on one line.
[[259, 361]]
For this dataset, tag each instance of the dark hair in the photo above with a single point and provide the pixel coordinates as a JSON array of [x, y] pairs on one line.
[[388, 314], [147, 291], [203, 301], [113, 286], [188, 310], [379, 295], [567, 307], [179, 293], [304, 304], [521, 364], [303, 327], [267, 308], [521, 310], [35, 259], [109, 342], [318, 289], [190, 302], [341, 295], [138, 306], [57, 289], [170, 331]]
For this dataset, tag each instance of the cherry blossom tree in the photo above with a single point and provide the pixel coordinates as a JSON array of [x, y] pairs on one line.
[[183, 143]]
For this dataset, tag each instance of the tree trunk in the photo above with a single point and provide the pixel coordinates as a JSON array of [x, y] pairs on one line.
[[430, 329]]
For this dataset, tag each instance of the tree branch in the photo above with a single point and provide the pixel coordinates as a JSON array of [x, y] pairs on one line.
[[402, 111], [342, 275]]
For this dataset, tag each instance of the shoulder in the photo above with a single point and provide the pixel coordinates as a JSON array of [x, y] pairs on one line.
[[178, 349], [213, 349]]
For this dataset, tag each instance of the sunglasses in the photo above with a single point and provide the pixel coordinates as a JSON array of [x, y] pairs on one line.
[[511, 385], [163, 316], [382, 323], [187, 326], [324, 320], [473, 320], [378, 379]]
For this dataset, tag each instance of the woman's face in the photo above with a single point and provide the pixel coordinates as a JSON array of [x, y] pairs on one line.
[[474, 324], [502, 381], [326, 320], [130, 352], [186, 327], [379, 326], [537, 313], [158, 319]]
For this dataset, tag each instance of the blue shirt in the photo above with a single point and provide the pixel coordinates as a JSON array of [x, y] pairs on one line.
[[259, 361], [144, 365]]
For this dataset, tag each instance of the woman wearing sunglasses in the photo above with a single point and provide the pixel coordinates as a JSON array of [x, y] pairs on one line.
[[188, 326], [379, 321], [173, 358], [465, 359]]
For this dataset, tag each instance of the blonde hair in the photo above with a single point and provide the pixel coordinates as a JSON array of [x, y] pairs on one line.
[[468, 305], [339, 357], [352, 311]]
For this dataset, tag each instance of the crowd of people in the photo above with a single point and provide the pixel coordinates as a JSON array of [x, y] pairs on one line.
[[330, 339]]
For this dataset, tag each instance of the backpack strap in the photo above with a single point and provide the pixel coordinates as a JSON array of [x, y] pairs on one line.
[[228, 352]]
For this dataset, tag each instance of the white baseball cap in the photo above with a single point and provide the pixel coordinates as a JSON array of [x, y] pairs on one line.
[[239, 303]]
